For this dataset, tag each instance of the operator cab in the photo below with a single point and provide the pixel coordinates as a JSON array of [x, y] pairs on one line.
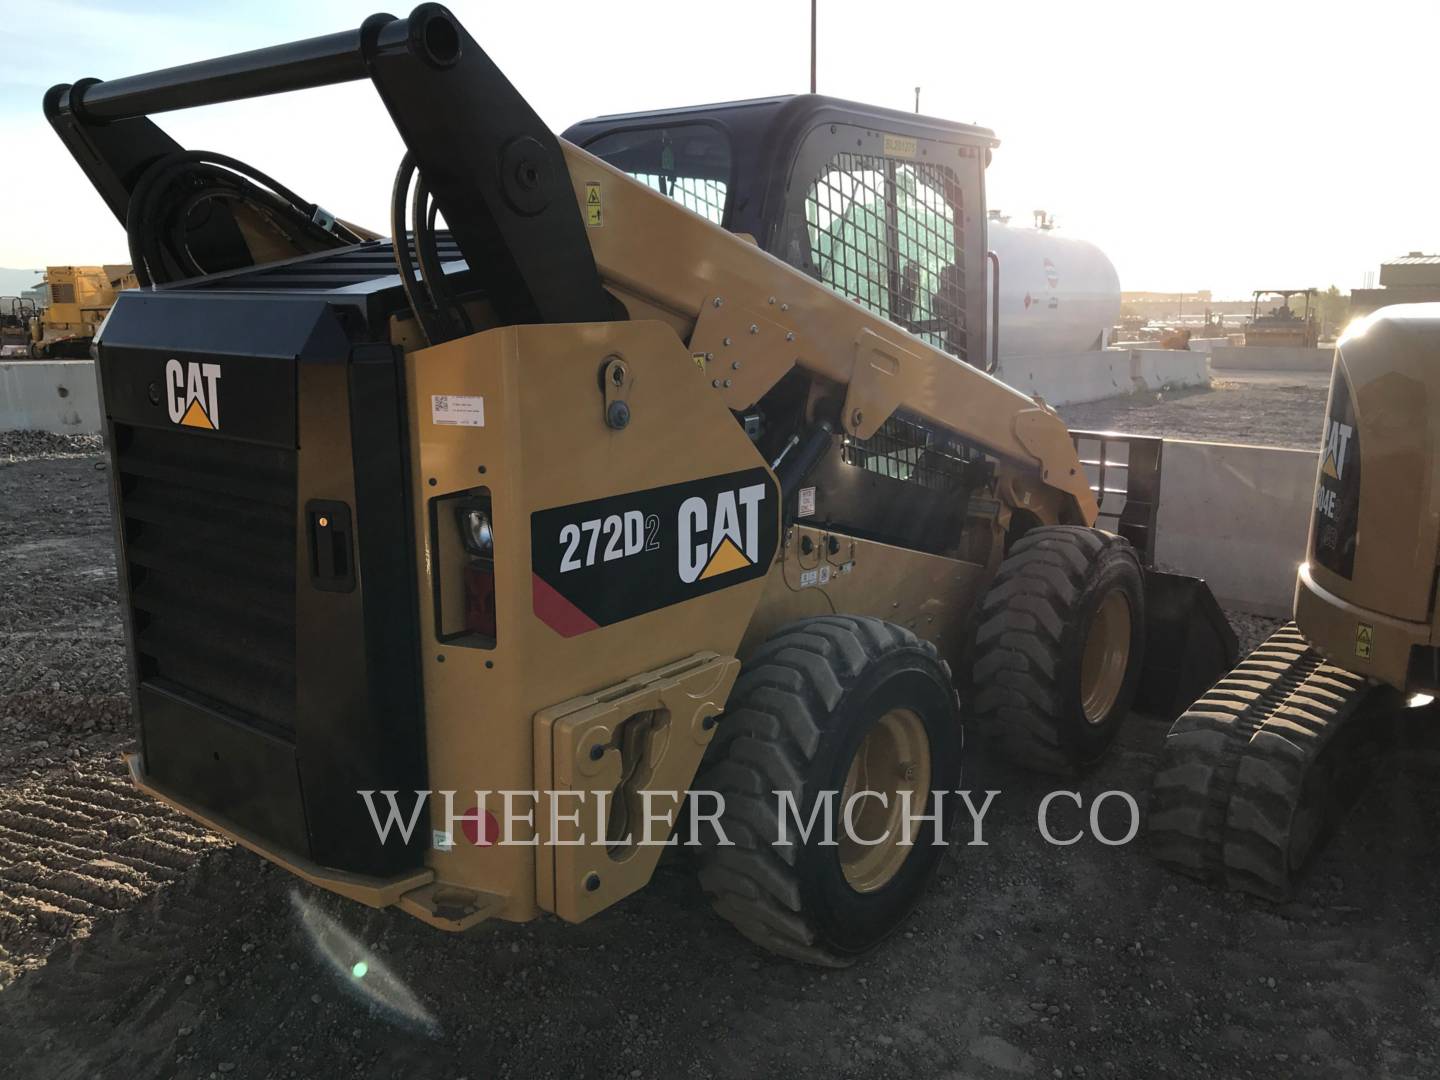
[[885, 207]]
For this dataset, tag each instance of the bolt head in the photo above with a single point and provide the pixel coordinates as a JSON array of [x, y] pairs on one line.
[[718, 301], [618, 415], [735, 366], [727, 384], [790, 335], [754, 329]]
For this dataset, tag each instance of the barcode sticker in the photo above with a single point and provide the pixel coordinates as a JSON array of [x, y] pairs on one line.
[[457, 410]]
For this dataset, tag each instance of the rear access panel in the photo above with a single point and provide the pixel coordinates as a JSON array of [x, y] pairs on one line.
[[259, 465]]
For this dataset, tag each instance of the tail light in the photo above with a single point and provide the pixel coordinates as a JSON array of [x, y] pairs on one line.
[[463, 562]]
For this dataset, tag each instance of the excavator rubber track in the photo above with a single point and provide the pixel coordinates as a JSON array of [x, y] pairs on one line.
[[1259, 770]]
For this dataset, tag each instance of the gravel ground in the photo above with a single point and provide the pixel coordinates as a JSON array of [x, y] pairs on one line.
[[34, 445], [131, 944], [76, 842], [1269, 409]]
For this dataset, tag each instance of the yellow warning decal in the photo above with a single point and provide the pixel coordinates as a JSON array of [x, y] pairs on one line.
[[1329, 467], [727, 557], [1364, 640], [593, 209], [699, 358], [196, 416], [900, 146]]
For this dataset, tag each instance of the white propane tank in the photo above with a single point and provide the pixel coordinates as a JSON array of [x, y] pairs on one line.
[[1057, 294]]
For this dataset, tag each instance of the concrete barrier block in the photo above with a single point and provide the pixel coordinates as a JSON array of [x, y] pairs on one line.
[[49, 395], [1237, 516], [1076, 378], [1270, 358], [1177, 368], [1068, 378], [1206, 344]]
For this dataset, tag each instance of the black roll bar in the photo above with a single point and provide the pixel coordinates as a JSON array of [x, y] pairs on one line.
[[300, 65], [497, 173]]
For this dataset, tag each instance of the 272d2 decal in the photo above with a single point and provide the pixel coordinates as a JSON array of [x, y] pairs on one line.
[[606, 560]]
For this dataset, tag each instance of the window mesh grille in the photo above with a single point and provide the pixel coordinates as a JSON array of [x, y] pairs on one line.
[[62, 294], [906, 449], [884, 233], [704, 197]]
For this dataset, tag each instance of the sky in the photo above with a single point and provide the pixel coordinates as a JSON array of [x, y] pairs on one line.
[[1215, 145]]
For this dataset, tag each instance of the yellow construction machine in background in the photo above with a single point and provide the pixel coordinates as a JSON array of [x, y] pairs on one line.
[[79, 298]]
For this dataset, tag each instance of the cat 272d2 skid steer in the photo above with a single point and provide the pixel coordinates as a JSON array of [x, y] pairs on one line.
[[639, 478]]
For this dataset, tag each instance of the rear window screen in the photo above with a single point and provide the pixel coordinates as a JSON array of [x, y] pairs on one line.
[[688, 162]]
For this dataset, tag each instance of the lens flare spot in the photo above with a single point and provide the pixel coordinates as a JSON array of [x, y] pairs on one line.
[[369, 979]]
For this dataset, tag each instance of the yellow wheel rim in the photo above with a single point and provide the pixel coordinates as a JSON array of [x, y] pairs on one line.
[[893, 759], [1107, 655]]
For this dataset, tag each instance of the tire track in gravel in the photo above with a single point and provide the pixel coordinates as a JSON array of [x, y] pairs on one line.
[[77, 846], [77, 842]]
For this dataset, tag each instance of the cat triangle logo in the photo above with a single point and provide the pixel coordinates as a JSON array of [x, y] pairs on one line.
[[192, 394], [196, 416], [721, 534], [1337, 443], [727, 557]]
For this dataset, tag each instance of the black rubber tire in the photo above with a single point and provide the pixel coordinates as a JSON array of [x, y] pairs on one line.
[[802, 705], [1258, 772], [1030, 641]]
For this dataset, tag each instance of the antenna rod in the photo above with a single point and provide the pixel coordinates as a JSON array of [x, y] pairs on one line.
[[813, 17]]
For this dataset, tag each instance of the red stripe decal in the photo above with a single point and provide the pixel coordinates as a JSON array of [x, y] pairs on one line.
[[556, 612]]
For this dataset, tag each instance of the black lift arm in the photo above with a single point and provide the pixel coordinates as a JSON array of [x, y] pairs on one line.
[[494, 169]]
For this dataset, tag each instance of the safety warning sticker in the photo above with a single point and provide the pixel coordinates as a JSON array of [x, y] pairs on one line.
[[807, 503], [457, 410], [1364, 640], [593, 209]]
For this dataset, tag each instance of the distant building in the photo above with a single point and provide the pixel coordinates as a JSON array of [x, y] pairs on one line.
[[1411, 279]]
